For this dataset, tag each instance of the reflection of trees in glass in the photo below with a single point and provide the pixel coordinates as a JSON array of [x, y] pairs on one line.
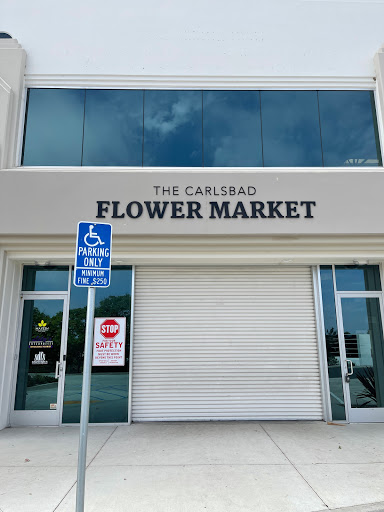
[[367, 378], [113, 306], [332, 343]]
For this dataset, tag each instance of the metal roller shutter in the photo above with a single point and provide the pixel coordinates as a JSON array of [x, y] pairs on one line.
[[217, 343]]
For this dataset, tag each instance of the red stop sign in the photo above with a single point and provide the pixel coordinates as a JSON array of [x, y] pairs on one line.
[[109, 328]]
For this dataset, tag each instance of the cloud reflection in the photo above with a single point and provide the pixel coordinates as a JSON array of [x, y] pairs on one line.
[[173, 128]]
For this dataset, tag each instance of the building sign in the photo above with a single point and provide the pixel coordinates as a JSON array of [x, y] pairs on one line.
[[194, 202], [222, 202], [109, 342]]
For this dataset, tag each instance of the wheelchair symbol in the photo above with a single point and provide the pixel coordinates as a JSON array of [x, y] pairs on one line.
[[93, 236]]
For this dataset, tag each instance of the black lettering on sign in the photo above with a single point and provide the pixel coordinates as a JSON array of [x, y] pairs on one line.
[[308, 205], [219, 210], [240, 211], [177, 210], [101, 209], [135, 205], [194, 210], [115, 214], [155, 210], [274, 209], [292, 209], [257, 208]]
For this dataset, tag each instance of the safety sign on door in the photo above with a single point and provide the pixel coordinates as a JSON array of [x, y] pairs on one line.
[[109, 342], [93, 255]]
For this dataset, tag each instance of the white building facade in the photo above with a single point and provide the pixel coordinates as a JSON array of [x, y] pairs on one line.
[[237, 154]]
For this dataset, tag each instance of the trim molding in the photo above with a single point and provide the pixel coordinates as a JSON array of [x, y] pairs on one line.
[[199, 82], [203, 250]]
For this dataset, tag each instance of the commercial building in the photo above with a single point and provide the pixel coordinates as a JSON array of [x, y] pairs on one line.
[[239, 160]]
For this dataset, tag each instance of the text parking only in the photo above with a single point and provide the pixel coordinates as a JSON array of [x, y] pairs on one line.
[[93, 255]]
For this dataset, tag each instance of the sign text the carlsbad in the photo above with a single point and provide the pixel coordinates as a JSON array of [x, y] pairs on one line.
[[197, 202]]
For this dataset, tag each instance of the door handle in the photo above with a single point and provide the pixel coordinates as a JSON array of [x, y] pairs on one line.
[[349, 373], [58, 369]]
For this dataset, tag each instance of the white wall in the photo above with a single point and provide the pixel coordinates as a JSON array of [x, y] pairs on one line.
[[199, 37]]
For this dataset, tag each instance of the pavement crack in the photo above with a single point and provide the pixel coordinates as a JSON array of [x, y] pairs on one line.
[[93, 458], [102, 446], [293, 465]]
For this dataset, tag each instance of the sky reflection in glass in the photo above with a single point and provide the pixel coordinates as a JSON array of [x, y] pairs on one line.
[[73, 127], [113, 130], [349, 129], [291, 131], [173, 128], [353, 278], [54, 127], [232, 129]]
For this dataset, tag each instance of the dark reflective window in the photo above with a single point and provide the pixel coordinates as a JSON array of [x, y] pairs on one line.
[[363, 336], [349, 128], [232, 129], [105, 128], [109, 385], [291, 130], [54, 127], [354, 278], [44, 279], [36, 383], [332, 343], [173, 128], [113, 129]]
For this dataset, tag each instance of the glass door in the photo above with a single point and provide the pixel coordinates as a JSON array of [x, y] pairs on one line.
[[362, 355], [41, 359]]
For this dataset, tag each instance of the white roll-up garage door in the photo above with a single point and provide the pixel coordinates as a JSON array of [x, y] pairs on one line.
[[215, 343]]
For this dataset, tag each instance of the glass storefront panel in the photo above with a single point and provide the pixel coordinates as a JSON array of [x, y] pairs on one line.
[[54, 127], [232, 129], [291, 129], [364, 349], [173, 128], [349, 128], [40, 344], [109, 385], [332, 344], [45, 279], [358, 278], [113, 128]]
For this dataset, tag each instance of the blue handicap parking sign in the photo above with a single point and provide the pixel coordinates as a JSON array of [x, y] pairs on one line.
[[93, 255]]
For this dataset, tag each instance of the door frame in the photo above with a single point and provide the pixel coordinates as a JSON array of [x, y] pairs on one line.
[[38, 417], [356, 415]]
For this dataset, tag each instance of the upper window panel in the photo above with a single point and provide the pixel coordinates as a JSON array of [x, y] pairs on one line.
[[353, 278], [45, 279], [173, 128], [94, 127], [232, 129], [113, 128], [291, 129], [349, 128], [54, 127]]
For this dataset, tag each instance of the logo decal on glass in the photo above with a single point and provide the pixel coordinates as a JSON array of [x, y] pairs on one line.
[[41, 343], [42, 327], [40, 358]]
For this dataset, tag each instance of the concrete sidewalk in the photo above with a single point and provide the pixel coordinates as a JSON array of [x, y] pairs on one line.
[[196, 467]]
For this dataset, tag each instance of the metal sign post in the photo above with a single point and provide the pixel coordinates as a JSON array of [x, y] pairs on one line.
[[85, 396], [92, 270]]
